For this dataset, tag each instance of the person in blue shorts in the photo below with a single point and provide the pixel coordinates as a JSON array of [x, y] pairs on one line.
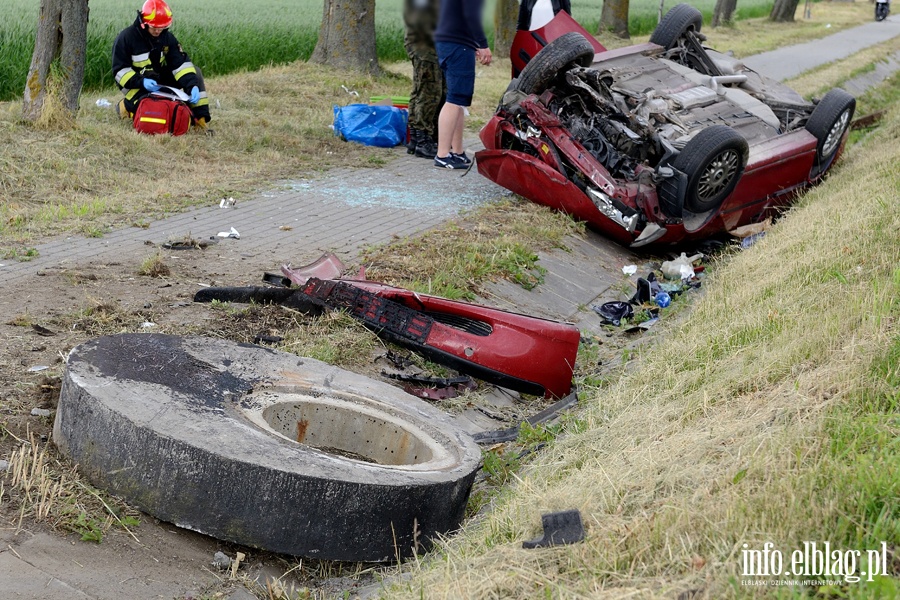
[[460, 42]]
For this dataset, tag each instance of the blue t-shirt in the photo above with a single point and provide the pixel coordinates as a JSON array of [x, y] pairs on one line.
[[460, 23]]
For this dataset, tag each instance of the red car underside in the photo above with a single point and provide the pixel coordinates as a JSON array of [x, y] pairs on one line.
[[530, 163], [776, 170]]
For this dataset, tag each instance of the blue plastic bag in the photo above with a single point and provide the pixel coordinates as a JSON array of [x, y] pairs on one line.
[[372, 125]]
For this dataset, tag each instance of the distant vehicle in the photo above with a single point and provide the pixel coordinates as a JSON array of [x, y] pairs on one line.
[[882, 9], [658, 143]]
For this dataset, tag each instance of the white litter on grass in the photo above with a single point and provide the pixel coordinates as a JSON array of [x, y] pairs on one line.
[[148, 324], [229, 234], [104, 103], [227, 202], [629, 269], [349, 91], [40, 412], [681, 267], [37, 368]]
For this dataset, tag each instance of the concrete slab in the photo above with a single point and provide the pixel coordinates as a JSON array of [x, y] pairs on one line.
[[24, 581], [884, 69], [48, 566]]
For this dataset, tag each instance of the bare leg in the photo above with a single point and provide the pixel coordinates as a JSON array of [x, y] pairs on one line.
[[450, 124], [456, 144]]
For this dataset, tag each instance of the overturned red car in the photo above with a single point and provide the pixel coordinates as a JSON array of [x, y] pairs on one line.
[[657, 143]]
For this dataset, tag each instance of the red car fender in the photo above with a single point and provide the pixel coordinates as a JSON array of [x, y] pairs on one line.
[[531, 178]]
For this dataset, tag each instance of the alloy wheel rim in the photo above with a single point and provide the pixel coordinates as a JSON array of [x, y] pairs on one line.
[[717, 175]]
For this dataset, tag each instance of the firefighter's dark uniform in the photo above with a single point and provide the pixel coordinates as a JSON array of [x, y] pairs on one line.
[[137, 54]]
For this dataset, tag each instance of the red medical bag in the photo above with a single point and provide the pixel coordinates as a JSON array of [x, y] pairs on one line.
[[156, 115]]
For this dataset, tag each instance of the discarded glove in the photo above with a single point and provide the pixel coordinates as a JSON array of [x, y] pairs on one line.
[[150, 85], [195, 95]]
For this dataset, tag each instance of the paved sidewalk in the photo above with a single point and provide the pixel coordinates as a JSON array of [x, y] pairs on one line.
[[342, 212], [790, 61]]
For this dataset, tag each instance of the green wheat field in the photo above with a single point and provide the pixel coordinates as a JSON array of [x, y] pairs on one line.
[[223, 36]]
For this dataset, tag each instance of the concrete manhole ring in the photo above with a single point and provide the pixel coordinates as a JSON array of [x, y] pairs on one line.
[[262, 447]]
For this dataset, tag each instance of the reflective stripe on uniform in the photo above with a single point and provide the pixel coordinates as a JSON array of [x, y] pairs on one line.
[[131, 94], [187, 67], [141, 60], [124, 75], [203, 101]]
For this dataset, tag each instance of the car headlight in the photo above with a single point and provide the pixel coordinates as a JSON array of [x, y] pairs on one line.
[[607, 206]]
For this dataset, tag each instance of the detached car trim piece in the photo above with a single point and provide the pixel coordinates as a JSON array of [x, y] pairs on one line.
[[656, 143]]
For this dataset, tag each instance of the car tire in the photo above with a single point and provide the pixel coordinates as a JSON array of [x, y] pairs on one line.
[[713, 161], [568, 50], [678, 21], [828, 122], [263, 448]]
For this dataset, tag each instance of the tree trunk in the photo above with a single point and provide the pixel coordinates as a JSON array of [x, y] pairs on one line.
[[614, 18], [505, 17], [61, 38], [723, 13], [347, 36], [783, 11]]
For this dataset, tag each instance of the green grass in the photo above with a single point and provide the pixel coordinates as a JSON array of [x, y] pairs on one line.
[[229, 36]]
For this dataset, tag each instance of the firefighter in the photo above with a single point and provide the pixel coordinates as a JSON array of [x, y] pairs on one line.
[[146, 55]]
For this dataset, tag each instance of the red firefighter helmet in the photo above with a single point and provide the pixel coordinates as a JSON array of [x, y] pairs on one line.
[[156, 13]]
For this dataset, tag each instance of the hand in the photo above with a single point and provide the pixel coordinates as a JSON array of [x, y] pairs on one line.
[[195, 95], [150, 85], [483, 56]]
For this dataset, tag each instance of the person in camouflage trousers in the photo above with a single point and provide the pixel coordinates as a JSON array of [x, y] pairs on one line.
[[420, 18]]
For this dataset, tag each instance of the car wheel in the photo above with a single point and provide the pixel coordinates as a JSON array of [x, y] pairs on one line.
[[570, 49], [677, 22], [828, 122], [713, 162], [263, 448]]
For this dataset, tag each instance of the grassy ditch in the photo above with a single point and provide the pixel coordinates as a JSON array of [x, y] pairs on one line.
[[770, 414]]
